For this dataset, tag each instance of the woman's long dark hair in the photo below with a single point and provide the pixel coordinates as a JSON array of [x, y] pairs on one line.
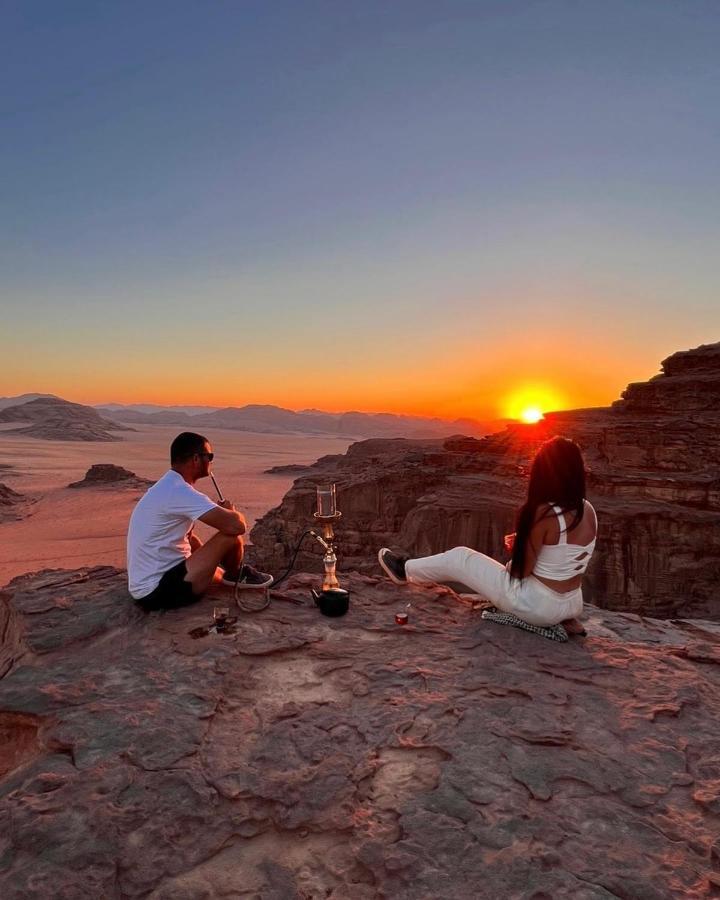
[[557, 477]]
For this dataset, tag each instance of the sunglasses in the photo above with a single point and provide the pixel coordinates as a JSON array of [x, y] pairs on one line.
[[208, 456]]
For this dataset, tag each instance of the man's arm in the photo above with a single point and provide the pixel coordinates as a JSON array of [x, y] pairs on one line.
[[226, 519]]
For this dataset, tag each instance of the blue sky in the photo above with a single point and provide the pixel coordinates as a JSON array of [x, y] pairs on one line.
[[444, 197]]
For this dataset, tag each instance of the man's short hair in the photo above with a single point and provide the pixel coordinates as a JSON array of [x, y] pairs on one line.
[[185, 446]]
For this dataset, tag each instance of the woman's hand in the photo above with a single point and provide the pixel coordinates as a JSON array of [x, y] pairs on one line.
[[509, 541]]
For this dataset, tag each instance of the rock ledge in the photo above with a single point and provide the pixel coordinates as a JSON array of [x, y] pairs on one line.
[[305, 757]]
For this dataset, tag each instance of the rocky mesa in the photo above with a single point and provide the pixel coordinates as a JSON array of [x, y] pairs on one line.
[[654, 460], [108, 475], [53, 419]]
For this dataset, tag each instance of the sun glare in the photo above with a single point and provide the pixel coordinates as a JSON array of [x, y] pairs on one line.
[[531, 415], [529, 402]]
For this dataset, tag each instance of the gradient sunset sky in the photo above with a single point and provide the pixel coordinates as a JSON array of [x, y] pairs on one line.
[[424, 207]]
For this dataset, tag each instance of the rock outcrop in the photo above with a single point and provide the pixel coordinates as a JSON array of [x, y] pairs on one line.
[[53, 419], [350, 758], [291, 469], [13, 505], [654, 460], [108, 475], [689, 382]]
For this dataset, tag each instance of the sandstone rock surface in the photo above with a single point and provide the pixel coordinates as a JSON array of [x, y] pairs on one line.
[[654, 460], [688, 382], [304, 757], [109, 475]]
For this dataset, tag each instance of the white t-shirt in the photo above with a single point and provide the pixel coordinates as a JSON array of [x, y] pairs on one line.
[[158, 533]]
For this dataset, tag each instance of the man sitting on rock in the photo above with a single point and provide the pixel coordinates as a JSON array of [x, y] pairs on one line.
[[168, 565]]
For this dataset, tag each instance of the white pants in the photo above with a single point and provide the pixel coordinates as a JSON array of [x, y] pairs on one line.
[[528, 599]]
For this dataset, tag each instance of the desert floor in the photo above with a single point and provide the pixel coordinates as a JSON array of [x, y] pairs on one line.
[[67, 528]]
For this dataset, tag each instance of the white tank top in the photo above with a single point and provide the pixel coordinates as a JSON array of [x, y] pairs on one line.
[[561, 561]]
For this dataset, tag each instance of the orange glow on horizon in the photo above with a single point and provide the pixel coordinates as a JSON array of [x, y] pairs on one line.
[[529, 402], [454, 386]]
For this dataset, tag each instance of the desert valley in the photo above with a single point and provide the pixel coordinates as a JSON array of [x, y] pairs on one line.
[[51, 525]]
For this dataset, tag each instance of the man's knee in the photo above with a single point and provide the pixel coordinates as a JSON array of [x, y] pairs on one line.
[[221, 542]]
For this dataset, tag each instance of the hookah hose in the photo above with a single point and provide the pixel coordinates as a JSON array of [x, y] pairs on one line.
[[275, 581], [244, 606], [289, 569]]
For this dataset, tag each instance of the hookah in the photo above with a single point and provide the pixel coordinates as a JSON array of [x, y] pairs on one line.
[[331, 599]]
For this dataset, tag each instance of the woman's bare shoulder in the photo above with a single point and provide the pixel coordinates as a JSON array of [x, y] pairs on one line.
[[545, 529], [592, 515]]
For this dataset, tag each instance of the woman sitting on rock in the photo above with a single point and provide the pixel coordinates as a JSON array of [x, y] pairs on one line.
[[551, 548]]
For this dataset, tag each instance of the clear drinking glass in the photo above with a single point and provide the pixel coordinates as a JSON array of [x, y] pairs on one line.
[[220, 616], [326, 501]]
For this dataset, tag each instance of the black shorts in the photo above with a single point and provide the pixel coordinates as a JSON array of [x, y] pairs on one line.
[[172, 592]]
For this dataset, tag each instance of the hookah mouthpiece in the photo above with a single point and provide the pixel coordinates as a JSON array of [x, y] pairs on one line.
[[219, 492]]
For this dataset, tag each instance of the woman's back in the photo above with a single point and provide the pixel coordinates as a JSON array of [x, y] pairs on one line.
[[563, 555]]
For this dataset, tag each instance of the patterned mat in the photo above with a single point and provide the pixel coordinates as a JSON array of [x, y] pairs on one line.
[[551, 632]]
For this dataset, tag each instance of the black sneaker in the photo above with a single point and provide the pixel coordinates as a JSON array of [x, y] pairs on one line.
[[393, 565], [249, 578]]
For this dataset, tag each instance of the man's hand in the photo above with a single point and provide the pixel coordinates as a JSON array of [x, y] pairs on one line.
[[226, 519], [228, 504]]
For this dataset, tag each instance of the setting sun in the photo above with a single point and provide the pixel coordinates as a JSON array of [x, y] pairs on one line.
[[531, 415], [529, 402]]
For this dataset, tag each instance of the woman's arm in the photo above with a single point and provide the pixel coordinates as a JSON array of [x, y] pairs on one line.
[[531, 552], [536, 539]]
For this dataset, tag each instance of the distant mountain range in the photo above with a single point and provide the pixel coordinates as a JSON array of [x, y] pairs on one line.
[[154, 408], [52, 418], [276, 420]]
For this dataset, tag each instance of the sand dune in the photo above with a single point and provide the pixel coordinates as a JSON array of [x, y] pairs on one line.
[[70, 528]]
